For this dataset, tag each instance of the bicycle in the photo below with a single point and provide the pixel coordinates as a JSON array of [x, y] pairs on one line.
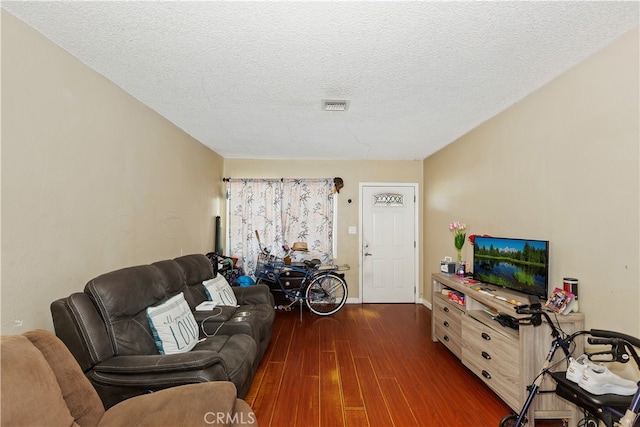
[[321, 287], [611, 410]]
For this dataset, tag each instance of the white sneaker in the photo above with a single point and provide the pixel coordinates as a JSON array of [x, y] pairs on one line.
[[606, 382], [577, 367]]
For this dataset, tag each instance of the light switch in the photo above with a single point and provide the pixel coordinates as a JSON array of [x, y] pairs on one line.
[[352, 229]]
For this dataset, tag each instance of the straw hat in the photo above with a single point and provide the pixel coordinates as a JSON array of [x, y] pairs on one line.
[[299, 246]]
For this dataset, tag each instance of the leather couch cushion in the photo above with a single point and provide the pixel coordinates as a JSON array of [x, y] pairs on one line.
[[122, 297], [238, 354], [174, 276], [219, 314], [253, 319], [158, 364], [197, 269]]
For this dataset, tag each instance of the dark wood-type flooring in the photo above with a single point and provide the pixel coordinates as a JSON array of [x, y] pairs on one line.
[[367, 365]]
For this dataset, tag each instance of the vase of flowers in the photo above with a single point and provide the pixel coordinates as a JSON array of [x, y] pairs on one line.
[[286, 254], [459, 233]]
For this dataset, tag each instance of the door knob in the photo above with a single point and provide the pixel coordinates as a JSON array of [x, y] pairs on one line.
[[367, 254]]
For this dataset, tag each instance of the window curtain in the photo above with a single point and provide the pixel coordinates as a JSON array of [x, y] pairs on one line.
[[307, 216], [254, 205], [283, 211]]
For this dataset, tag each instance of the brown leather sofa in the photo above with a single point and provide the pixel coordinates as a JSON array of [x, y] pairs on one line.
[[42, 384], [255, 313], [107, 330]]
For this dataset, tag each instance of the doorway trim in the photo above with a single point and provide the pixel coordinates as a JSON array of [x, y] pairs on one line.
[[416, 272]]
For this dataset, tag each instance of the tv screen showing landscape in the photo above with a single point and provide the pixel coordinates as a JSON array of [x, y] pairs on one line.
[[518, 264]]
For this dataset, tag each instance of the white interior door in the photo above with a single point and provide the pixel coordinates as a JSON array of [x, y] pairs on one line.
[[389, 246]]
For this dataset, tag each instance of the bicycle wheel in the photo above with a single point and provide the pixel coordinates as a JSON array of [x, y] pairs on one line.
[[326, 294]]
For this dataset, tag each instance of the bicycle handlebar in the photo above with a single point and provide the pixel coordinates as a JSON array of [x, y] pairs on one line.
[[601, 333], [602, 341], [616, 340], [621, 345], [536, 310], [525, 309]]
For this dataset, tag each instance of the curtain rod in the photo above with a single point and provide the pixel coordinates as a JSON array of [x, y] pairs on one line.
[[227, 179], [337, 181]]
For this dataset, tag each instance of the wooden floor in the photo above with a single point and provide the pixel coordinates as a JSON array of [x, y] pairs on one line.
[[367, 365]]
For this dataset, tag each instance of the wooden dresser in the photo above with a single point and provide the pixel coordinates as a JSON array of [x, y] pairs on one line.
[[506, 359]]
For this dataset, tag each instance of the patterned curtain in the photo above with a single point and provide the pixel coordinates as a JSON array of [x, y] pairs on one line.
[[308, 216], [254, 204], [283, 211]]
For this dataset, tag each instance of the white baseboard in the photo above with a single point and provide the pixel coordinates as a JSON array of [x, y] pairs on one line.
[[420, 301], [424, 302]]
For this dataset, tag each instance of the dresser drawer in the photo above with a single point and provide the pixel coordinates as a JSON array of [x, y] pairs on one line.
[[291, 279], [448, 325], [493, 357], [449, 312], [451, 339]]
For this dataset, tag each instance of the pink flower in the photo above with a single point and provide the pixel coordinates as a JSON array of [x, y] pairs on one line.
[[457, 226], [458, 229]]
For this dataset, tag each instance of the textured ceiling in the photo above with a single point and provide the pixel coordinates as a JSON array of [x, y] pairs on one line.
[[247, 78]]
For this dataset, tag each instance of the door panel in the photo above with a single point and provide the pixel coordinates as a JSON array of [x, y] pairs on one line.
[[388, 243]]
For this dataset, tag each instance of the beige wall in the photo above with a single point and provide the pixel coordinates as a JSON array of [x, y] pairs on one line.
[[92, 180], [353, 173], [561, 165]]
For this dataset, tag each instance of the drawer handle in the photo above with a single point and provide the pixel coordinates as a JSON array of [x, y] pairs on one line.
[[446, 309], [486, 374], [445, 323], [486, 355], [486, 336], [446, 338]]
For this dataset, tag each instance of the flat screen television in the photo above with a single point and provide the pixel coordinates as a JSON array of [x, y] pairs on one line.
[[518, 264]]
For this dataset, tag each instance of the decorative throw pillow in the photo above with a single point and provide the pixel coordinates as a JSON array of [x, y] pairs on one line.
[[174, 328], [218, 290]]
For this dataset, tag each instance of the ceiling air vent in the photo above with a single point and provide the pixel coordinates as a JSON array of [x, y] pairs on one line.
[[335, 105]]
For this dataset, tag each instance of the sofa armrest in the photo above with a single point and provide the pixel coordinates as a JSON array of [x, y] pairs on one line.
[[256, 294], [159, 363], [213, 403], [220, 313]]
